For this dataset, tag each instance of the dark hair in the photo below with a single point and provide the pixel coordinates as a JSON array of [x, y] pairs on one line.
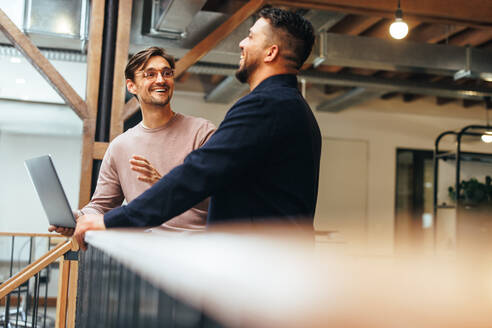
[[141, 58], [298, 36]]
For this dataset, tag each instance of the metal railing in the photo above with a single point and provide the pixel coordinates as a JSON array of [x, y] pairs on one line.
[[111, 295]]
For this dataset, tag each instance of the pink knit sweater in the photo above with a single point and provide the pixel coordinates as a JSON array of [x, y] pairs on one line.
[[165, 147]]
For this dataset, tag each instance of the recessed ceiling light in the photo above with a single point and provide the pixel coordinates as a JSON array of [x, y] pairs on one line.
[[15, 60], [20, 81]]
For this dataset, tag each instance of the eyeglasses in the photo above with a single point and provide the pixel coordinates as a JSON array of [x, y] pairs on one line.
[[151, 74]]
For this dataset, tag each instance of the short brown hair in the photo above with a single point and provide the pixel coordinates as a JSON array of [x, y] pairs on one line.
[[141, 58]]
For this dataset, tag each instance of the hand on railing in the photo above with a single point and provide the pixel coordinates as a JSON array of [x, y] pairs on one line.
[[88, 222]]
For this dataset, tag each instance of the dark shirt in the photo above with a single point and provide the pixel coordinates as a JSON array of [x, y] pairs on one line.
[[261, 164]]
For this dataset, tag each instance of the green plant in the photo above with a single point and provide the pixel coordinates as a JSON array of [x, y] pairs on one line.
[[473, 191]]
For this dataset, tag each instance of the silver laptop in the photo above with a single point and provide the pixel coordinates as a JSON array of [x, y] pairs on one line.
[[50, 191]]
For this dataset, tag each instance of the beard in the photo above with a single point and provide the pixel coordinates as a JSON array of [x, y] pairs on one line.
[[244, 72], [161, 101]]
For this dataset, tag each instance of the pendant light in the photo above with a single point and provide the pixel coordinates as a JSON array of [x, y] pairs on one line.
[[398, 29]]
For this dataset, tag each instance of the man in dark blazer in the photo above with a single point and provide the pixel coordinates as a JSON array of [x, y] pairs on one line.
[[262, 163]]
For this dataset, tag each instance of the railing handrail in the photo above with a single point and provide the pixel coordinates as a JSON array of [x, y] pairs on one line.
[[32, 269], [29, 234]]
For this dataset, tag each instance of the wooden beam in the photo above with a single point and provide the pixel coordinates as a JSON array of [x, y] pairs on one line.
[[389, 95], [67, 291], [99, 149], [43, 65], [474, 13], [61, 300], [207, 44], [329, 68], [362, 71], [72, 293], [121, 58], [467, 103], [440, 101], [94, 55], [433, 33], [29, 271], [131, 107], [28, 234], [89, 130], [409, 97], [183, 77], [14, 300], [355, 25], [471, 37], [72, 289]]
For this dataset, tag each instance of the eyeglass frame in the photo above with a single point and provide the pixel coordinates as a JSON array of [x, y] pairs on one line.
[[161, 72]]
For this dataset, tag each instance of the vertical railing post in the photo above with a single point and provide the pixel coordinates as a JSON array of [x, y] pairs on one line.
[[72, 285], [67, 289]]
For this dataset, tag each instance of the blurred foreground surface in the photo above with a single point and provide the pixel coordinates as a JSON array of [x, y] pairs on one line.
[[278, 277]]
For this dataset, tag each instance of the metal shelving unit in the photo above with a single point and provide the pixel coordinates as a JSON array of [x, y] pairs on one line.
[[459, 157]]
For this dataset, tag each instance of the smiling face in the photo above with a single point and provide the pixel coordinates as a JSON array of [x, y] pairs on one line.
[[156, 91], [253, 50]]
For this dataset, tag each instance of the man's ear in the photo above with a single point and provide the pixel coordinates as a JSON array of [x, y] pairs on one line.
[[130, 85], [271, 54]]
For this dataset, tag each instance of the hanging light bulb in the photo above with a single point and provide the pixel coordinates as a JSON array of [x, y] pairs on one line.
[[487, 137], [398, 29]]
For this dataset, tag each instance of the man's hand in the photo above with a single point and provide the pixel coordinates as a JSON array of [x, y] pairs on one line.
[[142, 165], [66, 231], [61, 230], [85, 223]]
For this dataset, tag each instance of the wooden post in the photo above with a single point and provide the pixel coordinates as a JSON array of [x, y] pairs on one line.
[[67, 290], [121, 58], [94, 54], [61, 300]]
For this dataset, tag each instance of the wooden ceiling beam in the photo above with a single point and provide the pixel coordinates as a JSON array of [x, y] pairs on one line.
[[354, 25], [389, 95], [43, 66], [219, 34], [409, 97], [434, 33], [471, 37], [474, 13], [467, 103], [440, 101]]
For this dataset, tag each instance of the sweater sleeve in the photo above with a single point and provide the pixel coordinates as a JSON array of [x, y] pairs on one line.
[[240, 143], [108, 193], [204, 133]]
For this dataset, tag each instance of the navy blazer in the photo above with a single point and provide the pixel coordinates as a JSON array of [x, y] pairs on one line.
[[262, 163]]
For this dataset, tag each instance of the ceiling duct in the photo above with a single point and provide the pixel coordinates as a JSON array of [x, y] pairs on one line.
[[57, 24], [170, 18], [350, 98], [228, 90]]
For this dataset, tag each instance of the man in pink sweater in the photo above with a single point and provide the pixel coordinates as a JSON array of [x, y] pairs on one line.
[[138, 158]]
